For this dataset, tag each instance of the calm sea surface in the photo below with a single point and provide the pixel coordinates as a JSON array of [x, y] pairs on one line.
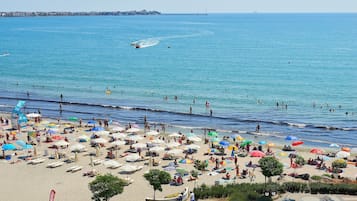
[[242, 64]]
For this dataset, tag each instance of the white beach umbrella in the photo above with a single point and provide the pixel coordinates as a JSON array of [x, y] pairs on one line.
[[132, 157], [111, 163], [152, 133], [134, 137], [139, 145], [118, 129], [334, 145], [157, 141], [118, 135], [102, 133], [175, 152], [194, 139], [128, 168], [192, 146], [342, 154], [77, 147], [117, 143], [132, 130], [354, 150], [157, 149], [33, 115], [173, 144], [174, 135], [61, 143], [100, 140]]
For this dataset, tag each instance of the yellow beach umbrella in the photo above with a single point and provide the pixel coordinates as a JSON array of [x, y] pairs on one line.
[[239, 138], [271, 145], [232, 147]]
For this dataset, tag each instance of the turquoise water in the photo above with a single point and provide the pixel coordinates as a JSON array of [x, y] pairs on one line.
[[242, 64]]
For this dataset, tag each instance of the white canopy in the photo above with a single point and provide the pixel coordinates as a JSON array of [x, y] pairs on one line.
[[61, 143], [33, 115], [118, 135], [132, 130], [342, 154], [77, 147], [175, 152], [117, 143], [152, 133], [173, 144], [194, 139], [157, 149], [100, 140], [192, 146], [139, 145], [174, 135], [134, 137], [132, 157], [118, 129]]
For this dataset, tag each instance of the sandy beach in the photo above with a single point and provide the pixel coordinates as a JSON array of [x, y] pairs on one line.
[[23, 181]]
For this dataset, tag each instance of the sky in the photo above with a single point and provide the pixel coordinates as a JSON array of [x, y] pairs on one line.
[[183, 6]]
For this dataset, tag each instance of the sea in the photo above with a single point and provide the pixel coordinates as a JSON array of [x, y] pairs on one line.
[[291, 74]]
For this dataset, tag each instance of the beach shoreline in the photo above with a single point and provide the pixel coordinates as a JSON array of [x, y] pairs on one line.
[[74, 186]]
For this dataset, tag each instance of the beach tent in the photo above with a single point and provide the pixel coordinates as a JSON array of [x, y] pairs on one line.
[[290, 137]]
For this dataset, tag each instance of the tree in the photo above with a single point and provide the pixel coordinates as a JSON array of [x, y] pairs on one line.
[[106, 186], [156, 178], [270, 166]]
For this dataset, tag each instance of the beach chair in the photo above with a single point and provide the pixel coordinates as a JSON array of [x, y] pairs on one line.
[[70, 169], [36, 161], [97, 161], [76, 169]]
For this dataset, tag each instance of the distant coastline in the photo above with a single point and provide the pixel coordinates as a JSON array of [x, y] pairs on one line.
[[91, 13]]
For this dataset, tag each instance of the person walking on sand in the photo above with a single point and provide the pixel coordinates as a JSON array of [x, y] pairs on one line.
[[192, 196]]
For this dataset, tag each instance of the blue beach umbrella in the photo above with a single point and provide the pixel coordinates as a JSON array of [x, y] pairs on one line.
[[7, 147], [97, 129], [27, 146], [234, 136], [224, 143], [262, 142], [50, 131], [91, 122], [290, 137], [21, 143]]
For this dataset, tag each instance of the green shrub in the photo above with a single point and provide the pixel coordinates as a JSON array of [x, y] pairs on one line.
[[339, 163], [194, 173], [300, 160], [316, 177]]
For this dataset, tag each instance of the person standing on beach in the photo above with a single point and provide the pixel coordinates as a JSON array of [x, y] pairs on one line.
[[60, 107], [190, 109], [61, 97], [192, 196], [210, 112], [28, 94]]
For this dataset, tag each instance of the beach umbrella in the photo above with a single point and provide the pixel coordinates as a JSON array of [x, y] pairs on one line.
[[334, 145], [191, 135], [290, 137], [186, 161], [52, 125], [132, 157], [232, 147], [7, 147], [224, 143], [57, 137], [77, 147], [83, 138], [281, 154], [102, 133], [117, 143], [342, 154], [132, 130], [139, 145], [194, 139], [128, 168], [246, 142], [262, 142], [175, 152], [33, 115], [297, 143], [292, 155], [152, 133], [73, 118], [271, 144], [257, 154], [134, 137], [215, 139], [99, 141], [192, 146], [212, 134], [61, 143], [353, 151], [173, 144], [234, 136], [346, 149], [111, 163], [119, 135], [316, 151], [98, 128], [239, 138], [157, 149], [27, 146], [52, 131], [174, 135], [157, 141], [118, 129], [21, 143]]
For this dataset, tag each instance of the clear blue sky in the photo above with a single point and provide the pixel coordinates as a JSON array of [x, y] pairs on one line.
[[182, 6]]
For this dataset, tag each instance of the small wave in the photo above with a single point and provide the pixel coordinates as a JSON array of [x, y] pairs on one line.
[[4, 54], [299, 125]]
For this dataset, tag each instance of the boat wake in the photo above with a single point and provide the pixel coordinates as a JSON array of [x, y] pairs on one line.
[[4, 54], [145, 43]]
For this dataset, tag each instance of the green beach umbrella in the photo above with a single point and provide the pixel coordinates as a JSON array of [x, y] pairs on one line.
[[212, 134], [246, 142], [215, 139]]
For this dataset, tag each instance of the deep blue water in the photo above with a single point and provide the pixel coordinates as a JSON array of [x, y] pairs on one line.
[[242, 64]]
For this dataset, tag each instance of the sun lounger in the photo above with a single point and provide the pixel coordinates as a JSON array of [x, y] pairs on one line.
[[74, 168], [115, 166], [55, 164], [97, 161], [36, 161]]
